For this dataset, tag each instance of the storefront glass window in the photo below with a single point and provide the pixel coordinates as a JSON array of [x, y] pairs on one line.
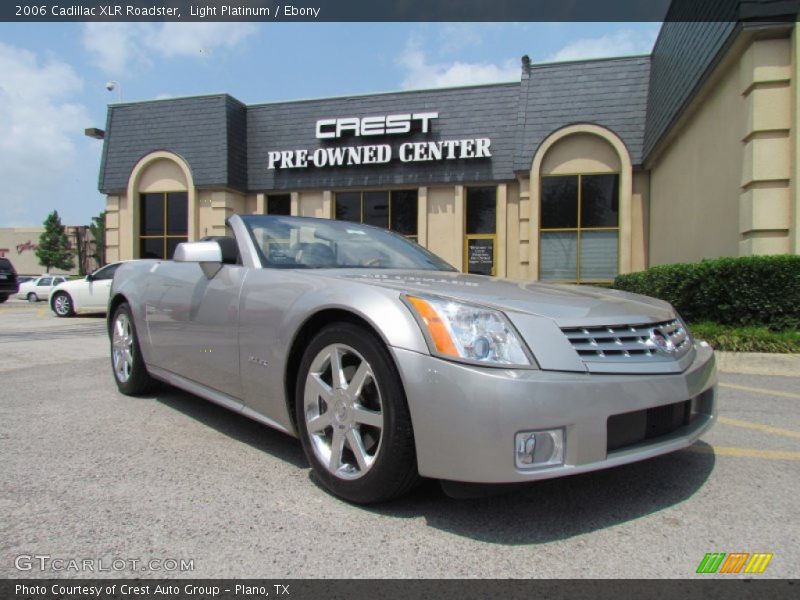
[[579, 228], [164, 223], [279, 204], [480, 241], [376, 209], [395, 210], [348, 206]]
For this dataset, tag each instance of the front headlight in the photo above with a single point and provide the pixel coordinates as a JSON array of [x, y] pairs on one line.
[[468, 333]]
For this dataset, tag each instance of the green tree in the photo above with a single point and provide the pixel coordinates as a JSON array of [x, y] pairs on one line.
[[97, 228], [54, 249]]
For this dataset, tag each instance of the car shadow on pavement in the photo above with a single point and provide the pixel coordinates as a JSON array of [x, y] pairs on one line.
[[234, 425], [534, 513], [565, 507]]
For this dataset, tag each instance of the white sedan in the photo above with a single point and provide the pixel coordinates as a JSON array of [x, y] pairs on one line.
[[39, 288], [89, 294]]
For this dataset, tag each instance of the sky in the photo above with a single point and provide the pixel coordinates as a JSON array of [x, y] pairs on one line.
[[53, 80]]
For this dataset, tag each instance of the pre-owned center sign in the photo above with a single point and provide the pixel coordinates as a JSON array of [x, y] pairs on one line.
[[377, 154]]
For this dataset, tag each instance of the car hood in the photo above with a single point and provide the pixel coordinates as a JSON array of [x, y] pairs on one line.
[[567, 305]]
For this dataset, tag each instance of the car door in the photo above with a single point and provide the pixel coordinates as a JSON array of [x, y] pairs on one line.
[[42, 286], [95, 292], [192, 322]]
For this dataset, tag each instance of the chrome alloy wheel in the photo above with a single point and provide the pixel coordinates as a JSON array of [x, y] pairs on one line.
[[122, 348], [343, 411], [61, 305]]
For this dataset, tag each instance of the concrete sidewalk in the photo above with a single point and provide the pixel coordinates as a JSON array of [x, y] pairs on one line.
[[759, 363]]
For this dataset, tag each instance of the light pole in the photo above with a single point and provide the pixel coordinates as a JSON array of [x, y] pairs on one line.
[[115, 85]]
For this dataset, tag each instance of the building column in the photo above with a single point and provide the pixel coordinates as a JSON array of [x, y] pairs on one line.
[[328, 208], [113, 250], [765, 202], [502, 230], [794, 196], [422, 217], [459, 225]]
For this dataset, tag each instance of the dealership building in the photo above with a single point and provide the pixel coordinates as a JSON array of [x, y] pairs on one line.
[[575, 173]]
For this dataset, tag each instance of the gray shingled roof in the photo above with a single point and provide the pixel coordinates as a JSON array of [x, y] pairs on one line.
[[205, 131], [611, 93], [682, 57], [226, 143]]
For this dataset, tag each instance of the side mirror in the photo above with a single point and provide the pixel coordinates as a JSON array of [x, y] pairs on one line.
[[90, 277], [207, 254]]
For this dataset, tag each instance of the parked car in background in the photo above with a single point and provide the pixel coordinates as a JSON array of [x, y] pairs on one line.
[[8, 279], [25, 278], [39, 288], [89, 294]]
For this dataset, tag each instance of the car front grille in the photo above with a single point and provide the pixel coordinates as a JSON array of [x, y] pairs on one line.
[[630, 342]]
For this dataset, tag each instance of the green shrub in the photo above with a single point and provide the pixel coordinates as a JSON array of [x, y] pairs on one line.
[[746, 291], [745, 339]]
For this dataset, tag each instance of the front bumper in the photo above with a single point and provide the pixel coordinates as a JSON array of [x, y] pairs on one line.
[[465, 418]]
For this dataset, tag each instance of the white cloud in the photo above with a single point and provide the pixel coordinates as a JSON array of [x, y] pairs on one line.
[[421, 73], [117, 47], [619, 43], [196, 39], [40, 127]]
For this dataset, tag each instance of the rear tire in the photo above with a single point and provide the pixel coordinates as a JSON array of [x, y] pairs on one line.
[[127, 362], [32, 298], [3, 298], [62, 305], [355, 427]]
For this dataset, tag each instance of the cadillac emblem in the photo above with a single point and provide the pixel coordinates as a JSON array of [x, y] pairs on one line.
[[661, 342]]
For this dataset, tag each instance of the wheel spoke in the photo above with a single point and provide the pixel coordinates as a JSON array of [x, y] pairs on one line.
[[320, 422], [356, 384], [357, 446], [337, 375], [319, 388], [368, 417], [337, 446]]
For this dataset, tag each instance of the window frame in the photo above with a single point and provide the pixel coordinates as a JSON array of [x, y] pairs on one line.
[[479, 236], [164, 237], [578, 230], [390, 192]]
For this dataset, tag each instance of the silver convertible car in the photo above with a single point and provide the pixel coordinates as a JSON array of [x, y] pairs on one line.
[[390, 365]]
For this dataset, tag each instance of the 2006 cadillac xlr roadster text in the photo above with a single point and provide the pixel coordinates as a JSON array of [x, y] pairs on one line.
[[389, 365]]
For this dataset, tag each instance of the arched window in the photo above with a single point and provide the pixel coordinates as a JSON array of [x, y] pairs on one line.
[[579, 210], [160, 186]]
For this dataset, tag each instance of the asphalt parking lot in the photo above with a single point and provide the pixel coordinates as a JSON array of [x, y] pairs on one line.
[[90, 474]]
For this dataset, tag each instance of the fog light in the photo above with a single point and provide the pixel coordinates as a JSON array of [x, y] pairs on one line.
[[536, 449]]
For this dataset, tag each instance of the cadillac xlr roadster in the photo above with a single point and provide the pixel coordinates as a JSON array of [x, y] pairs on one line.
[[390, 365]]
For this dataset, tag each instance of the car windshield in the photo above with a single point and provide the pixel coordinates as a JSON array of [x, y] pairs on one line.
[[306, 243]]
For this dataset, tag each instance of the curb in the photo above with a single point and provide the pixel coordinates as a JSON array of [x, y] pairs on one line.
[[758, 363]]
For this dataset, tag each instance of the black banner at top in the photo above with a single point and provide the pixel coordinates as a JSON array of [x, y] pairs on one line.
[[398, 10]]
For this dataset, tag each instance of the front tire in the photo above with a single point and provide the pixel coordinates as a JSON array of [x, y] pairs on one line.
[[353, 418], [62, 305], [127, 362], [32, 298]]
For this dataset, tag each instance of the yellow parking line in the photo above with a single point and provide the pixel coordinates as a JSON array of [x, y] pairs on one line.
[[759, 427], [745, 388], [40, 312], [745, 452]]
